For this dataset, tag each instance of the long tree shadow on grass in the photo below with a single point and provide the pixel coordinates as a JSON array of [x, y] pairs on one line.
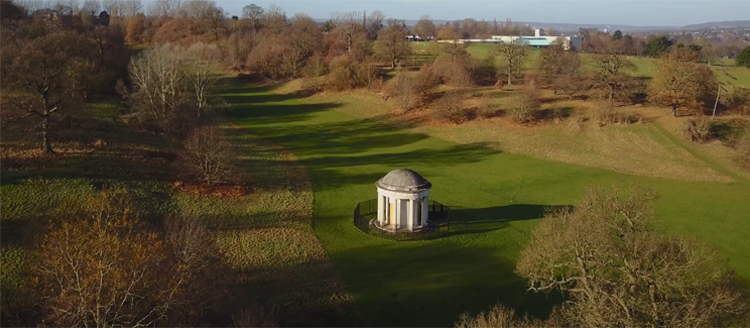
[[306, 294], [328, 146], [429, 284], [479, 220]]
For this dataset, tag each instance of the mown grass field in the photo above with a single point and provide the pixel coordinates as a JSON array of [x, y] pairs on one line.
[[497, 197], [724, 69], [265, 236]]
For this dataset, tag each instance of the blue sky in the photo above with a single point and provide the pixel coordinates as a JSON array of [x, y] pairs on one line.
[[629, 12]]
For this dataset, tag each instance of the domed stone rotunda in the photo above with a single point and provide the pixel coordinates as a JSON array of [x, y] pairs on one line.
[[403, 197]]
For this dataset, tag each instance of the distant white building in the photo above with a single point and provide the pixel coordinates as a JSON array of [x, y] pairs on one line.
[[539, 40]]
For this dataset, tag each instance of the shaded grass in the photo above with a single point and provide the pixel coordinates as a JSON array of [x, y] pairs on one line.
[[429, 283], [633, 149], [295, 278], [287, 270]]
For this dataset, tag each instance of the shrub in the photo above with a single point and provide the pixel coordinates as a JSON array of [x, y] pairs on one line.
[[730, 131], [499, 316], [254, 317], [738, 100], [454, 71], [399, 88], [412, 91], [235, 49], [698, 130], [743, 148], [267, 60], [210, 155], [485, 70], [487, 107], [525, 105], [743, 58], [610, 115], [448, 107], [347, 74]]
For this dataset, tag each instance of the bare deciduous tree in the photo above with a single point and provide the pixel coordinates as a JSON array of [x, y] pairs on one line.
[[103, 272], [392, 45], [204, 82], [302, 40], [164, 8], [43, 81], [348, 25], [131, 8], [680, 82], [254, 14], [158, 79], [618, 271], [425, 28], [204, 17], [525, 105], [91, 7], [274, 19], [500, 316], [193, 247], [210, 154], [610, 69], [107, 269], [562, 69], [374, 23], [515, 55]]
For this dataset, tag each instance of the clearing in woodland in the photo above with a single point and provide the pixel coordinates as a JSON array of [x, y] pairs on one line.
[[496, 196]]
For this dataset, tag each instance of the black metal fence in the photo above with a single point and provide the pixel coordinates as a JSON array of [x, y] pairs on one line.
[[366, 213]]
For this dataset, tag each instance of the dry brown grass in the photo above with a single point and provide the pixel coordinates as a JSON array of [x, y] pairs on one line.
[[267, 236], [639, 148]]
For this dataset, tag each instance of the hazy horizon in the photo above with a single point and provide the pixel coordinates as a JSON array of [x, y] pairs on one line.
[[614, 12]]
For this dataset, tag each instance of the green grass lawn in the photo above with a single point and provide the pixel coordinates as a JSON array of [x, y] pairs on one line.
[[724, 69], [497, 198]]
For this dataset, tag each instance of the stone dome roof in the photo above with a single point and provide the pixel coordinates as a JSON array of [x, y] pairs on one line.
[[403, 180]]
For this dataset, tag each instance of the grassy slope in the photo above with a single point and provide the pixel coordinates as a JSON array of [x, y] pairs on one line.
[[496, 197]]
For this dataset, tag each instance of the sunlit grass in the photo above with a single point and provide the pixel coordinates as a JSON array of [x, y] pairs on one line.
[[348, 141], [725, 69]]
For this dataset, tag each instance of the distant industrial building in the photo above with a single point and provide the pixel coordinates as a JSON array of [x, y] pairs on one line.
[[539, 40]]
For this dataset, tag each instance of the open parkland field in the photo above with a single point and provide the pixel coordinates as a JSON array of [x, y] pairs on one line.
[[311, 159], [498, 181]]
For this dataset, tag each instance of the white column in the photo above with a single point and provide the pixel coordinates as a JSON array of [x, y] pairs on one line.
[[389, 216], [395, 220], [416, 211], [410, 215], [425, 210], [381, 211]]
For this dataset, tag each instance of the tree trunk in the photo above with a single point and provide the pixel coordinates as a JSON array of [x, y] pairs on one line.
[[718, 93], [510, 82], [46, 145]]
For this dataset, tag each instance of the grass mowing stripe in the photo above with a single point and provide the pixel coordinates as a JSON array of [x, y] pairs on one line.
[[430, 283]]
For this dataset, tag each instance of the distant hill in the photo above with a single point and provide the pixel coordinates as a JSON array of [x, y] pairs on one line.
[[573, 27], [609, 27], [742, 23]]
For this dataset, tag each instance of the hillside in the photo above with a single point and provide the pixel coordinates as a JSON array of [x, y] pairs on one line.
[[742, 23]]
